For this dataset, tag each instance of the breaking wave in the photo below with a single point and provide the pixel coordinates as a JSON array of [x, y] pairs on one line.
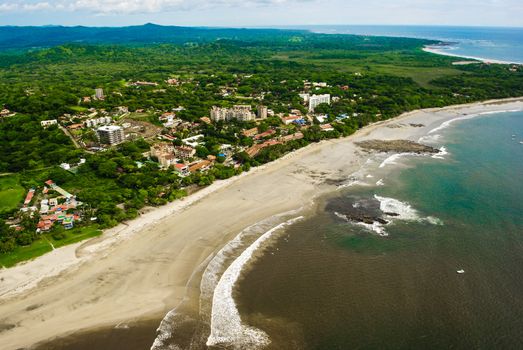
[[393, 210], [391, 160], [442, 153], [227, 328]]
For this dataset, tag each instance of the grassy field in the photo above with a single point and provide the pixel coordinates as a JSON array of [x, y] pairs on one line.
[[390, 63], [11, 193], [43, 245]]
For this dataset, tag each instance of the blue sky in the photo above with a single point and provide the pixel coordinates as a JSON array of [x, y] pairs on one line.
[[234, 13]]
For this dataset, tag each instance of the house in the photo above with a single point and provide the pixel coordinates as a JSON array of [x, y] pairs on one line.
[[290, 119], [291, 137], [206, 120], [326, 127], [75, 126], [250, 132], [265, 134], [200, 166], [182, 169]]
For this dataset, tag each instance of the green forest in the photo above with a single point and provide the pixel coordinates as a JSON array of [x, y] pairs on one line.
[[374, 78]]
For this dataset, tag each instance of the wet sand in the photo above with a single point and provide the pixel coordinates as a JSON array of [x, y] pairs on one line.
[[141, 270]]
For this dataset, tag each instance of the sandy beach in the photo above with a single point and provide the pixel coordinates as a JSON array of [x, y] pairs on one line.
[[146, 267], [439, 51]]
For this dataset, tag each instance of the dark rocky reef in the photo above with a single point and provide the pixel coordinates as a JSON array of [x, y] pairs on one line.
[[399, 146]]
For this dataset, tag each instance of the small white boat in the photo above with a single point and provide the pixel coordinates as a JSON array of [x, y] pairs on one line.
[[460, 271]]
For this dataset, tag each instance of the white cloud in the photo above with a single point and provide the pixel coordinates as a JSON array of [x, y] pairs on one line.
[[131, 6]]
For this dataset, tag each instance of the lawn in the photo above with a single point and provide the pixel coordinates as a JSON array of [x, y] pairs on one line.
[[11, 193], [43, 245]]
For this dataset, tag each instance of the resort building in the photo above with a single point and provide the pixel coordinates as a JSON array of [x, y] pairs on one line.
[[164, 152], [238, 112], [316, 100], [110, 134]]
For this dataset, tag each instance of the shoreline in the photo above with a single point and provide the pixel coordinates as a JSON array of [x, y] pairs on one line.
[[115, 279], [434, 50]]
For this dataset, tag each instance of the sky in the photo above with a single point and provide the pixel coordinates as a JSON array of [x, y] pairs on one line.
[[257, 13]]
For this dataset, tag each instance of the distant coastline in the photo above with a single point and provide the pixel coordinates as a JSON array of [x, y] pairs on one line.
[[437, 49]]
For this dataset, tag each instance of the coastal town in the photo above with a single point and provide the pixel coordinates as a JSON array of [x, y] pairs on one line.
[[175, 144]]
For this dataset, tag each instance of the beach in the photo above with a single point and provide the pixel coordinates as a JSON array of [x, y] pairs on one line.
[[439, 50], [143, 269]]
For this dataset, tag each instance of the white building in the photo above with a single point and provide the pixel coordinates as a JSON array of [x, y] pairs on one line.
[[99, 94], [110, 134], [46, 123], [316, 100], [238, 112]]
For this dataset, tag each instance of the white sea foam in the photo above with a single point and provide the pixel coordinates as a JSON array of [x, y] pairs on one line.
[[442, 153], [430, 138], [369, 176], [391, 160], [214, 268], [447, 123], [353, 183], [403, 209], [226, 326]]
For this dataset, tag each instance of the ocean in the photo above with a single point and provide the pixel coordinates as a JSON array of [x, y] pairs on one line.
[[319, 281], [327, 283], [492, 43]]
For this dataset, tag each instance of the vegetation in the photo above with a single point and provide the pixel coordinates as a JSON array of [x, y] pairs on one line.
[[373, 78]]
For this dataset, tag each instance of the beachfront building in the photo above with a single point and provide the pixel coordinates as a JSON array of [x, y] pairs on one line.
[[110, 134], [182, 169], [164, 152], [316, 100], [238, 112]]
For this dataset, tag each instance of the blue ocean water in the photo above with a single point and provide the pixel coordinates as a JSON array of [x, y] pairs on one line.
[[332, 284], [495, 43]]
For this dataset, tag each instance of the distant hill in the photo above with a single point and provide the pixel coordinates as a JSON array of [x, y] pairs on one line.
[[47, 36]]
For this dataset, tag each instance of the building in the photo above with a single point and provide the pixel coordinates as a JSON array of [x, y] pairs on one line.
[[164, 152], [291, 119], [305, 97], [99, 94], [250, 132], [184, 152], [200, 166], [238, 112], [262, 112], [110, 134], [182, 169], [316, 100], [98, 121], [47, 123], [291, 137], [326, 127]]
